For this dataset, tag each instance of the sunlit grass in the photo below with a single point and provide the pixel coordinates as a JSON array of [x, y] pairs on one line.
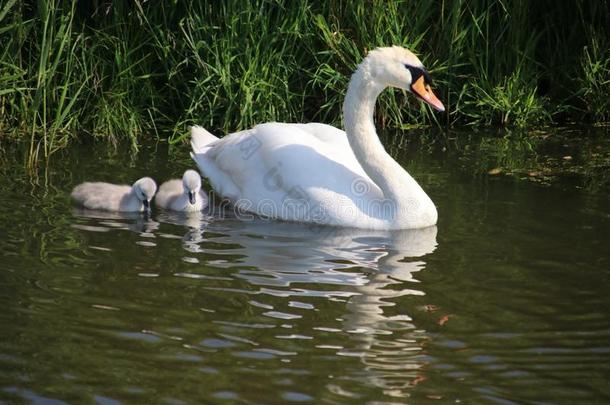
[[595, 81], [128, 70]]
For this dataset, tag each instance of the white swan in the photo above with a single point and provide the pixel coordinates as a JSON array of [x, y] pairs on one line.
[[113, 197], [182, 195], [320, 174]]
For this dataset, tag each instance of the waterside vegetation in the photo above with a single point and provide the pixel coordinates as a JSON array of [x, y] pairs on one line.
[[132, 70]]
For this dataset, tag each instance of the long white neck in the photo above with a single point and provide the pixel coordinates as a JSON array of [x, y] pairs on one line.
[[408, 198]]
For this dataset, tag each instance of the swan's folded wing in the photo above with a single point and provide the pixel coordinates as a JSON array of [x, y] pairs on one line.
[[273, 165]]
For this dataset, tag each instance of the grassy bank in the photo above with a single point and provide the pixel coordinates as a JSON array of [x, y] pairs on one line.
[[126, 70]]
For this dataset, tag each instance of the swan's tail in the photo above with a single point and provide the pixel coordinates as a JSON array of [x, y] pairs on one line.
[[201, 139]]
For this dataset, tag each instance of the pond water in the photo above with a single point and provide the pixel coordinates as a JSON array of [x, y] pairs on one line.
[[506, 300]]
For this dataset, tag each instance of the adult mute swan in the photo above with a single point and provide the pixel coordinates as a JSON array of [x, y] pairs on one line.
[[319, 174], [113, 197], [182, 195]]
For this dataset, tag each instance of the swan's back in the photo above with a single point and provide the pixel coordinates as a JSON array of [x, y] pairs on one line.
[[258, 148], [242, 165], [168, 194], [102, 196], [286, 170]]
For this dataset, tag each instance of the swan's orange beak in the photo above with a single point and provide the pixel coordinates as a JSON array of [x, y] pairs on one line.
[[424, 92]]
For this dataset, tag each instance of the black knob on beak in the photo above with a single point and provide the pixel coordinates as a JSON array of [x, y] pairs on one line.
[[146, 204], [192, 197]]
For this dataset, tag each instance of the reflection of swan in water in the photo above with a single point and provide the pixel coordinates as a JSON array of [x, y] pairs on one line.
[[105, 221], [389, 345], [286, 254], [369, 268], [196, 222], [142, 223]]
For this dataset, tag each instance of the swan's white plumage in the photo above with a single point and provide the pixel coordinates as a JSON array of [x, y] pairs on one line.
[[318, 173], [114, 197], [174, 194]]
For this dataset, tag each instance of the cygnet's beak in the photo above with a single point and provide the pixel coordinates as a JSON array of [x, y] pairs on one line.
[[425, 93], [146, 204], [192, 197]]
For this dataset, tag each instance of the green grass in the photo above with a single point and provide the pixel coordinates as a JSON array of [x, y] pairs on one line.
[[595, 81], [129, 70]]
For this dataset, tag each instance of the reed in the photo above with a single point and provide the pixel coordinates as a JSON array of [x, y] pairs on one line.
[[130, 70]]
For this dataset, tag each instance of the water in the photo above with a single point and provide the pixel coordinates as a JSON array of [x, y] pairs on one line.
[[506, 300]]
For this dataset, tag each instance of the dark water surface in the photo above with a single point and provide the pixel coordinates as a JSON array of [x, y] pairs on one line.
[[506, 300]]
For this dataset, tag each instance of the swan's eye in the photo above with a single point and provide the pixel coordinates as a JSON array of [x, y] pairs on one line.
[[417, 72]]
